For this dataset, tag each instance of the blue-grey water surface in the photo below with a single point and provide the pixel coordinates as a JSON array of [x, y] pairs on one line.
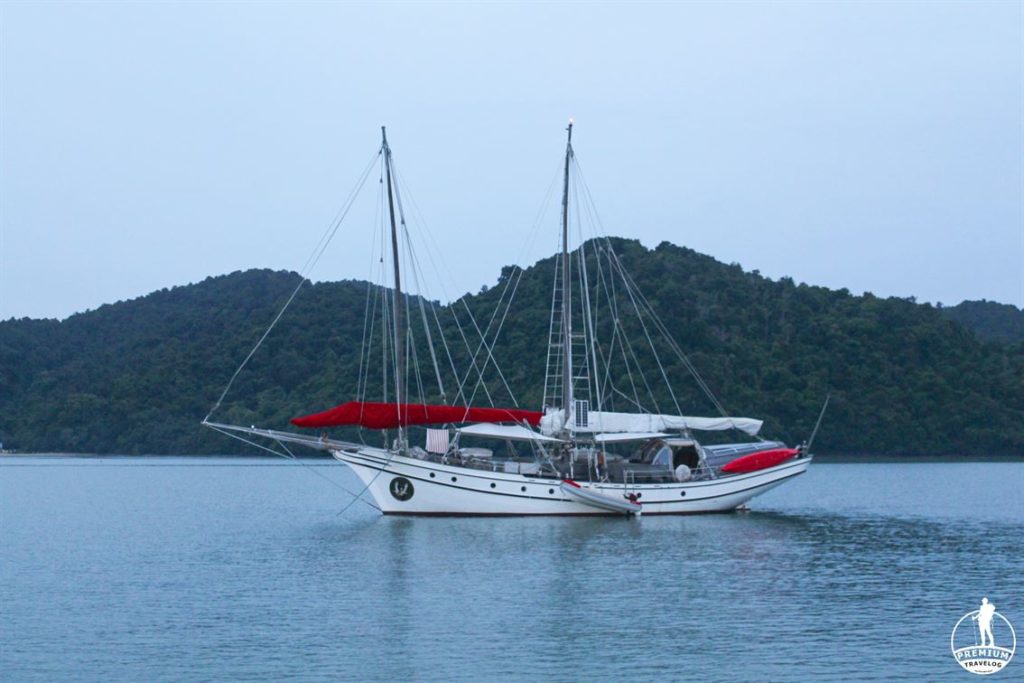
[[149, 569]]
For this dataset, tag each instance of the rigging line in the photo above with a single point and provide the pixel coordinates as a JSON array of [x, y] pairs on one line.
[[497, 333], [631, 286], [460, 395], [431, 242], [339, 216], [409, 352], [675, 346], [307, 268], [410, 348], [379, 299], [472, 357], [483, 339], [662, 328], [489, 358], [628, 398], [297, 460], [627, 345], [584, 365], [603, 285], [417, 375], [414, 267], [430, 239], [326, 478], [606, 284], [483, 342], [458, 323], [386, 336], [654, 351], [379, 294], [588, 314], [444, 341], [617, 334], [606, 382], [364, 357], [588, 211], [391, 455], [440, 331], [417, 274], [513, 282], [602, 288], [541, 212]]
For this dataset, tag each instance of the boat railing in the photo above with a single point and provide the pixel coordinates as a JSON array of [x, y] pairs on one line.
[[633, 477]]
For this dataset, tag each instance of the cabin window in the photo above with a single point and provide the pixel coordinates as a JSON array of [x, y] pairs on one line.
[[663, 458]]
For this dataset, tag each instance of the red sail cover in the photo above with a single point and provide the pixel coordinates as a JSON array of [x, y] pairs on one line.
[[390, 415]]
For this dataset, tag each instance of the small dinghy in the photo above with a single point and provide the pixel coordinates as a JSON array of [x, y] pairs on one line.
[[590, 497], [761, 460]]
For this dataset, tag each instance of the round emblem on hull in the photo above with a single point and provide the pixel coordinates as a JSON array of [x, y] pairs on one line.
[[401, 488]]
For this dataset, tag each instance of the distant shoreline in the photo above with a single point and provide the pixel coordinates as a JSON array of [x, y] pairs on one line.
[[840, 459]]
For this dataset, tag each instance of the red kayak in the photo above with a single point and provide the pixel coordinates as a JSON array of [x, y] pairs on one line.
[[759, 461]]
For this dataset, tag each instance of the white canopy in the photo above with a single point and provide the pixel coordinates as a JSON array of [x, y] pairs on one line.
[[509, 432], [615, 437], [600, 421]]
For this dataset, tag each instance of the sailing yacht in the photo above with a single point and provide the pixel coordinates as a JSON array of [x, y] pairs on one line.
[[598, 444]]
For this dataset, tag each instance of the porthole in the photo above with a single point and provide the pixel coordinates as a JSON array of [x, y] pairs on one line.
[[523, 489], [493, 485], [682, 494], [455, 478], [551, 491], [431, 475], [639, 496]]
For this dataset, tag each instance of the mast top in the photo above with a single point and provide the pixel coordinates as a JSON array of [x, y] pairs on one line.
[[384, 134], [571, 121]]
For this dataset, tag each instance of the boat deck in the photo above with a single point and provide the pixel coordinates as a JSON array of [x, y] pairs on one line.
[[597, 466]]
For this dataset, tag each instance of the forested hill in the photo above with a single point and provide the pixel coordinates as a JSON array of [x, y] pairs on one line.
[[138, 376], [990, 320]]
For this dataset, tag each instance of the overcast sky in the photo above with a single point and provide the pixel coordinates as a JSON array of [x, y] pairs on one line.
[[873, 146]]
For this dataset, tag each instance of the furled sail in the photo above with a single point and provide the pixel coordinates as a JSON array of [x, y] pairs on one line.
[[601, 421], [390, 415]]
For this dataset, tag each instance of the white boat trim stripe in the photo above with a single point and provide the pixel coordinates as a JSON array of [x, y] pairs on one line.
[[455, 470]]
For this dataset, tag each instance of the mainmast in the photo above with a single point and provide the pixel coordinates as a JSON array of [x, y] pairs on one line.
[[566, 292], [397, 310]]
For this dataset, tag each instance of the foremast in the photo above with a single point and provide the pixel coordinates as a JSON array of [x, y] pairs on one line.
[[397, 309]]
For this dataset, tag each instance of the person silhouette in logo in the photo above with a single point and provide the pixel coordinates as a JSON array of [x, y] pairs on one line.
[[984, 619]]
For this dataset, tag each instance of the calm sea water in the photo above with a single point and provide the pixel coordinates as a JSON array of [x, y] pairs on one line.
[[215, 569]]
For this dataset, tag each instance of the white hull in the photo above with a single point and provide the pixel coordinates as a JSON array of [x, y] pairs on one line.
[[428, 488]]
